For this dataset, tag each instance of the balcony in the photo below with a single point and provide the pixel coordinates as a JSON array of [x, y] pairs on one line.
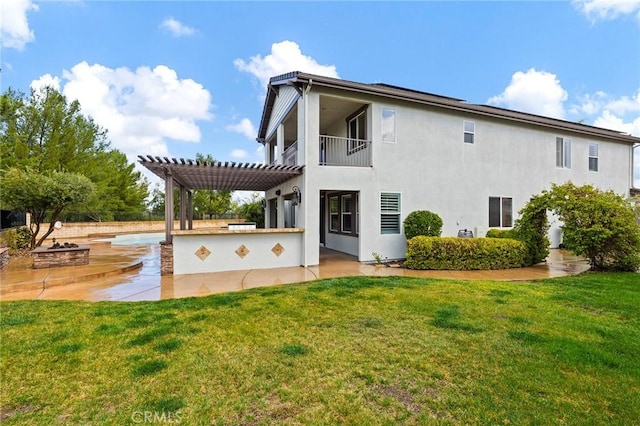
[[289, 157], [337, 151]]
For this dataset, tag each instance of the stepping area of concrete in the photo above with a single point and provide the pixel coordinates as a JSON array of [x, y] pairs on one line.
[[132, 273]]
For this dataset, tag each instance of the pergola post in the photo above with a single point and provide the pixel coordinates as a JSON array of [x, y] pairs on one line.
[[190, 209], [183, 213], [168, 206]]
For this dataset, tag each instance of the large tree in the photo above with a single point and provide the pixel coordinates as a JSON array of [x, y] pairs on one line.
[[43, 196], [44, 132]]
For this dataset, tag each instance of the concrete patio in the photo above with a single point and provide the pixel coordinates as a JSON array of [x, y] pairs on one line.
[[132, 273]]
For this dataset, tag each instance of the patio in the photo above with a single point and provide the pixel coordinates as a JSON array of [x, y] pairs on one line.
[[132, 273]]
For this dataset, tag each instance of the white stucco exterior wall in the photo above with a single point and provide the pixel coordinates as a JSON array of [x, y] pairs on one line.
[[433, 169]]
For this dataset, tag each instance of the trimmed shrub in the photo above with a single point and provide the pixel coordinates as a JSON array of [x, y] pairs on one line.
[[422, 222], [450, 253], [501, 233]]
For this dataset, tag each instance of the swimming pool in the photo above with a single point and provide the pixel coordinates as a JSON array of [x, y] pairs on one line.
[[136, 239]]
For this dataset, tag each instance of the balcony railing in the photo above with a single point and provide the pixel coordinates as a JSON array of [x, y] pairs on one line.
[[335, 151], [289, 158]]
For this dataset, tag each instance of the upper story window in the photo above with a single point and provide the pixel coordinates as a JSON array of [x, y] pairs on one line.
[[388, 125], [593, 157], [469, 131], [390, 213], [563, 153], [357, 130]]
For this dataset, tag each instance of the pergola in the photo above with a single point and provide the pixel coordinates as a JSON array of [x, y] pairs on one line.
[[190, 175]]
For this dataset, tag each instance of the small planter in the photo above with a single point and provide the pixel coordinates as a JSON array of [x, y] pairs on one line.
[[64, 256]]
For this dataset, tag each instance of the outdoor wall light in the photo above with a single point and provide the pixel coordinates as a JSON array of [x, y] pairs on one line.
[[297, 196], [263, 203]]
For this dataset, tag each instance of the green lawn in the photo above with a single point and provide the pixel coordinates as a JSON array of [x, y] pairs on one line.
[[354, 351]]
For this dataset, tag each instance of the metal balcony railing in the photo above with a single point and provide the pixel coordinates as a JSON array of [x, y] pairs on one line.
[[335, 151]]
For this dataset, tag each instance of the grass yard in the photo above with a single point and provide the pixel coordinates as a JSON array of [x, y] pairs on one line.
[[360, 351]]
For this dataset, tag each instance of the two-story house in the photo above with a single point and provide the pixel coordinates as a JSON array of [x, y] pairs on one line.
[[346, 162], [373, 153]]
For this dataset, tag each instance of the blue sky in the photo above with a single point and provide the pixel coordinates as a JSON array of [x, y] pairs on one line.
[[180, 78]]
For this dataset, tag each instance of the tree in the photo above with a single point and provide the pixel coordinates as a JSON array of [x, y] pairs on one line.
[[599, 225], [210, 202], [252, 210], [44, 132], [44, 196]]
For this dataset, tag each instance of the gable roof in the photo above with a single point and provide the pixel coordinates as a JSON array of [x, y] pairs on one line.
[[299, 79]]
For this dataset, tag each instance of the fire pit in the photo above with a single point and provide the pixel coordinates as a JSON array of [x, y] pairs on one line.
[[67, 254]]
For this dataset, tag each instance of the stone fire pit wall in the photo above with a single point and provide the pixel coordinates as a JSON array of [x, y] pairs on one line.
[[53, 258]]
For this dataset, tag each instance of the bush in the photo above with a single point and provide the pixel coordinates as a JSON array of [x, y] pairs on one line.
[[452, 253], [501, 233], [422, 222], [16, 238], [599, 225]]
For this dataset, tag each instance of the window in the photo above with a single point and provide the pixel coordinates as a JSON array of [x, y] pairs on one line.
[[346, 213], [334, 222], [388, 125], [593, 157], [389, 213], [469, 131], [500, 212], [357, 130], [563, 153], [343, 213]]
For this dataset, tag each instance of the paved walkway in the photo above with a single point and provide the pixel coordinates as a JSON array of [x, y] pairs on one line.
[[131, 273]]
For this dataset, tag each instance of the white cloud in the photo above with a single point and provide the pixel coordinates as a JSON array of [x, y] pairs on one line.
[[622, 114], [535, 92], [44, 81], [239, 154], [245, 127], [625, 104], [285, 57], [141, 109], [176, 28], [609, 120], [14, 26], [607, 9]]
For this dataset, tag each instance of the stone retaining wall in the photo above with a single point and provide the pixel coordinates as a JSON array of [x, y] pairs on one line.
[[86, 229], [53, 258]]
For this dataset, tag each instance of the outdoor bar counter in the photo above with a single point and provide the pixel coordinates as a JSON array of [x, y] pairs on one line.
[[217, 250]]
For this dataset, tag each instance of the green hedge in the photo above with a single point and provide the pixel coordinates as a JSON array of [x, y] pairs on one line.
[[450, 253], [501, 233]]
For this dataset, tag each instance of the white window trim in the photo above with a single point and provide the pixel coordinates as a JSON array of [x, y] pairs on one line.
[[501, 212], [566, 153], [398, 213], [465, 132], [597, 156], [395, 123]]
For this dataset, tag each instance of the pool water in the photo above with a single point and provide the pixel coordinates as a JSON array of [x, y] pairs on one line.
[[136, 239]]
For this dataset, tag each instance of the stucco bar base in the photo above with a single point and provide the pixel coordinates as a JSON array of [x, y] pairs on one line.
[[53, 258], [201, 251]]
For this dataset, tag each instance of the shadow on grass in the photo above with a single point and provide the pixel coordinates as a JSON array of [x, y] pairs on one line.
[[449, 317]]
